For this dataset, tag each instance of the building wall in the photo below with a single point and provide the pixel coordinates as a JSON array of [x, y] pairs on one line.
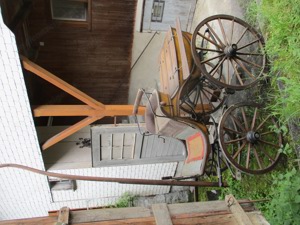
[[184, 9], [24, 194]]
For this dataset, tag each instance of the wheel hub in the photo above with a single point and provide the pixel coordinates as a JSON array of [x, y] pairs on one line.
[[230, 50], [253, 137]]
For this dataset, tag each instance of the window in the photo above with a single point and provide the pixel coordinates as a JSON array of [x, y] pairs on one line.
[[62, 185], [157, 10], [69, 10]]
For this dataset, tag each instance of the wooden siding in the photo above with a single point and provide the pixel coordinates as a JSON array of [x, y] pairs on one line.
[[97, 62]]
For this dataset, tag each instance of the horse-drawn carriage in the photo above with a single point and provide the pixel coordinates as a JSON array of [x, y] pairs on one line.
[[198, 72]]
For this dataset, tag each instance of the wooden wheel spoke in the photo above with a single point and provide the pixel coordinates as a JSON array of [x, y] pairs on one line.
[[201, 101], [248, 62], [254, 118], [228, 72], [242, 35], [208, 49], [237, 123], [232, 28], [237, 73], [223, 31], [267, 154], [239, 150], [215, 57], [215, 34], [262, 123], [257, 158], [266, 133], [245, 69], [269, 143], [212, 94], [246, 53], [235, 140], [231, 130], [245, 118], [245, 46], [209, 102], [216, 67], [209, 40], [248, 155]]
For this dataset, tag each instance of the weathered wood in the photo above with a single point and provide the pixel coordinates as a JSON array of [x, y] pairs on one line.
[[237, 211], [63, 216], [161, 214], [227, 219], [183, 57], [109, 214], [198, 207], [69, 131], [85, 110]]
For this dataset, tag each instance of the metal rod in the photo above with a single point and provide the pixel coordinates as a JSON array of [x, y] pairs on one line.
[[117, 180]]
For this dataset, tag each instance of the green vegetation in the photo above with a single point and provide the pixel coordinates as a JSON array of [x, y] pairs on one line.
[[280, 23], [126, 200]]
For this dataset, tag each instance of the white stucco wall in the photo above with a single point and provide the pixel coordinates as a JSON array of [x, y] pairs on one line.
[[24, 194]]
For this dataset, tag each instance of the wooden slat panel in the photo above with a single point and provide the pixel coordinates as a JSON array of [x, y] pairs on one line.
[[183, 57], [97, 62], [172, 74], [163, 73]]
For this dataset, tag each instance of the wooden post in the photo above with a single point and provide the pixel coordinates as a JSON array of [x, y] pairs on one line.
[[161, 214], [63, 216], [237, 211]]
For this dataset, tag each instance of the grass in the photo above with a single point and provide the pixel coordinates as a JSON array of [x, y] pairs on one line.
[[280, 23]]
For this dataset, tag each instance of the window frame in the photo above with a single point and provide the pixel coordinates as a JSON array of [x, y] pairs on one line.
[[156, 3]]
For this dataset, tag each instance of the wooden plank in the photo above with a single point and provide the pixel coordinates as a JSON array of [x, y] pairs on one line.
[[183, 57], [163, 73], [237, 211], [63, 216], [161, 214], [109, 214], [198, 207], [51, 78], [69, 131], [172, 78], [85, 110]]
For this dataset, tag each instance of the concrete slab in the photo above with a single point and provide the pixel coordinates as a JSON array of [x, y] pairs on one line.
[[206, 8]]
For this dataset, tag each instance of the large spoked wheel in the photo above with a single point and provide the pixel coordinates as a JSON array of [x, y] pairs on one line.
[[200, 97], [249, 138], [233, 47]]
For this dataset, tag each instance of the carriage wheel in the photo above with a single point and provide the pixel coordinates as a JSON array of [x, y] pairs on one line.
[[248, 139], [200, 97], [233, 47]]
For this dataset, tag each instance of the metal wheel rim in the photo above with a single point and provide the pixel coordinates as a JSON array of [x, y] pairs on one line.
[[238, 60], [262, 151]]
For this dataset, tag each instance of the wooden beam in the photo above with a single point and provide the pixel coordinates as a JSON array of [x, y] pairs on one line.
[[237, 211], [51, 78], [84, 110], [183, 57], [69, 131], [161, 214], [63, 216]]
